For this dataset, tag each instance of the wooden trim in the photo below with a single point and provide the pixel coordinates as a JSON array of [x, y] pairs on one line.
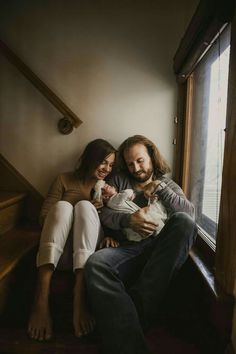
[[179, 132], [187, 136], [68, 115], [226, 238], [12, 181]]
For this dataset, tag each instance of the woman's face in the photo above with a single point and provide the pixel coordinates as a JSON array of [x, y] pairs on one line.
[[105, 167]]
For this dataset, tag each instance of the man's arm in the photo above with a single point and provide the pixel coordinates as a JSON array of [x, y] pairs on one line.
[[114, 220], [171, 196], [138, 221]]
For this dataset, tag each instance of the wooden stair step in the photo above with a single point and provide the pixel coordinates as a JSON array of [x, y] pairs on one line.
[[14, 244], [9, 198], [11, 209]]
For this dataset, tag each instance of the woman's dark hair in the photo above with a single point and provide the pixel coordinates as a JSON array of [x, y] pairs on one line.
[[93, 155], [160, 166]]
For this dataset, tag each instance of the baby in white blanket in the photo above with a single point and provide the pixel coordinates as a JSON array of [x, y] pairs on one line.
[[123, 202]]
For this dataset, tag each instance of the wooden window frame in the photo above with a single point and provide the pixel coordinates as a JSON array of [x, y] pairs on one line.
[[208, 20]]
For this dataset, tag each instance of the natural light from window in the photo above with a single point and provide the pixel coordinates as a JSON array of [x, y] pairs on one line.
[[209, 82], [216, 135]]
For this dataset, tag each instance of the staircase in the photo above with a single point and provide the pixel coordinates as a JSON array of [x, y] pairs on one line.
[[16, 239]]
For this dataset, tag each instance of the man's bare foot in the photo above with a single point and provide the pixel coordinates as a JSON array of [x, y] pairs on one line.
[[83, 321], [40, 324]]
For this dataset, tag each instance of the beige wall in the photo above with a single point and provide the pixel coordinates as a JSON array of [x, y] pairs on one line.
[[110, 61]]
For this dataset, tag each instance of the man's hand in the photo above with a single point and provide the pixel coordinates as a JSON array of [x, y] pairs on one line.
[[141, 223], [108, 242], [151, 188]]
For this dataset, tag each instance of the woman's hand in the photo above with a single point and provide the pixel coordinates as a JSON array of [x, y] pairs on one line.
[[141, 223], [108, 242], [97, 203]]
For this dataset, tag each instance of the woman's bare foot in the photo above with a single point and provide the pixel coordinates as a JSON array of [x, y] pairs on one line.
[[83, 321], [40, 324]]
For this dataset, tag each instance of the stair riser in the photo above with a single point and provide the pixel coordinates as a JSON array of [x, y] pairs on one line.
[[10, 216]]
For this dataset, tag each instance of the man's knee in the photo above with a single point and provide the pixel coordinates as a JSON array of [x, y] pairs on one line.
[[183, 219], [95, 261], [186, 225], [94, 268]]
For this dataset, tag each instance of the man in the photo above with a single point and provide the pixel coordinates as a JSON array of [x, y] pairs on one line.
[[126, 284]]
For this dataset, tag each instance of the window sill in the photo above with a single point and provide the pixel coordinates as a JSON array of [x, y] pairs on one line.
[[202, 256], [205, 270]]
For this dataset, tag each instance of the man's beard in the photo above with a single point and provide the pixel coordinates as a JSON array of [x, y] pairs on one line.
[[144, 176]]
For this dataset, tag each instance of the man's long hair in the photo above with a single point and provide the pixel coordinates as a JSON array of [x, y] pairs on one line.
[[160, 166], [93, 155]]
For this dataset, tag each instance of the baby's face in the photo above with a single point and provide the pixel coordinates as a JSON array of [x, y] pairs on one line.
[[108, 191]]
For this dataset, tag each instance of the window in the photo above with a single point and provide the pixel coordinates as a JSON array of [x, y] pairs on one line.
[[209, 87], [202, 72]]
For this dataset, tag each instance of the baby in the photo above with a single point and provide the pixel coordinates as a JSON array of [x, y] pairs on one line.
[[123, 202]]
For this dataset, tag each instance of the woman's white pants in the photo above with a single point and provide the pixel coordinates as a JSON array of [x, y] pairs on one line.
[[84, 222]]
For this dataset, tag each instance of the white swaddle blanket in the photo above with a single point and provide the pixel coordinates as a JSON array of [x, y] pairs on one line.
[[122, 202]]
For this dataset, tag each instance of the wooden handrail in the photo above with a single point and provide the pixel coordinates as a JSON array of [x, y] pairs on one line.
[[69, 120]]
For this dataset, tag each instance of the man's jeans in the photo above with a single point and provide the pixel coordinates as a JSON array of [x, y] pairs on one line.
[[126, 285]]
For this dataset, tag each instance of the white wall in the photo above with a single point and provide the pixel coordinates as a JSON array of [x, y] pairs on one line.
[[111, 63]]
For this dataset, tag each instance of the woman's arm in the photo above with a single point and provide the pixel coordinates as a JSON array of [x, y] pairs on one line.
[[55, 194]]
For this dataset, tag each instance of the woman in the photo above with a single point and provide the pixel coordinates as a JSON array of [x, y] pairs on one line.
[[69, 206]]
